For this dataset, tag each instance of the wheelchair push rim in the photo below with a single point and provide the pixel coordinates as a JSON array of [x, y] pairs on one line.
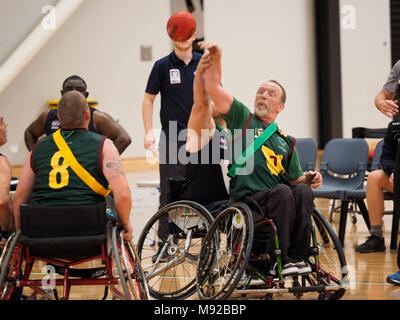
[[225, 252], [175, 276]]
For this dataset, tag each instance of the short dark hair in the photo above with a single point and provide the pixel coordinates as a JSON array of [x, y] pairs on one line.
[[74, 77], [283, 96], [71, 109]]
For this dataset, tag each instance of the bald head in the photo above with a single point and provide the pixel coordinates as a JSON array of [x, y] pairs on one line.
[[72, 110]]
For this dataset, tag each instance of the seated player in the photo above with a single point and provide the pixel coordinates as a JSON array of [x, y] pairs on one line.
[[47, 179], [100, 122], [206, 147], [276, 180]]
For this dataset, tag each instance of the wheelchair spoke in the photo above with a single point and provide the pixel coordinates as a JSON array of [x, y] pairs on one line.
[[163, 267], [170, 265]]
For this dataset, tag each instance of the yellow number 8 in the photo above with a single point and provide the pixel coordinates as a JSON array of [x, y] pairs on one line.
[[58, 168]]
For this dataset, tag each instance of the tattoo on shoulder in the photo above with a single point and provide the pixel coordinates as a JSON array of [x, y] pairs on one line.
[[113, 161], [115, 164]]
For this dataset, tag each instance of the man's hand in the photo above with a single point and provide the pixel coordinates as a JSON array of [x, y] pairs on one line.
[[313, 179], [389, 108], [205, 62], [211, 47], [128, 232], [212, 51], [149, 140]]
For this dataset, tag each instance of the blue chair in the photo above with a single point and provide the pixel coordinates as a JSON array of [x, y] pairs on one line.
[[362, 133], [361, 194], [343, 167], [307, 150]]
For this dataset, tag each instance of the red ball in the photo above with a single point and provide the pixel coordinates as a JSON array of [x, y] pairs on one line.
[[181, 26]]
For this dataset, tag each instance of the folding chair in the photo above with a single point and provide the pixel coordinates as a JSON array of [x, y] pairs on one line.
[[343, 167], [307, 150]]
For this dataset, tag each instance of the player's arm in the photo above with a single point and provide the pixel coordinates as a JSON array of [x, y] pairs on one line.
[[385, 104], [24, 190], [147, 115], [5, 177], [213, 75], [106, 125], [201, 123], [112, 170], [35, 130]]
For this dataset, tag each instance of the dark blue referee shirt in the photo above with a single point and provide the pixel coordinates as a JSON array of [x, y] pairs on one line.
[[174, 80]]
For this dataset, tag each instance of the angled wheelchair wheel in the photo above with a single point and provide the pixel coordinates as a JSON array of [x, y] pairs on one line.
[[129, 269], [11, 269], [328, 261], [225, 252], [170, 263]]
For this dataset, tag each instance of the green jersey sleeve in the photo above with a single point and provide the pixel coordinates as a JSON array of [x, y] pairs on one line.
[[237, 116], [295, 170]]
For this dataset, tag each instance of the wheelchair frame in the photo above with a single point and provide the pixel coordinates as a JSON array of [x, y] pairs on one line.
[[16, 264], [216, 283], [188, 221]]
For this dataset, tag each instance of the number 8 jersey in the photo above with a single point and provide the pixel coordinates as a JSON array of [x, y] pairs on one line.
[[56, 183]]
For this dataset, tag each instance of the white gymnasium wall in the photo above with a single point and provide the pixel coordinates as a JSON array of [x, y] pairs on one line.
[[264, 40], [101, 42], [17, 19], [365, 61], [261, 40]]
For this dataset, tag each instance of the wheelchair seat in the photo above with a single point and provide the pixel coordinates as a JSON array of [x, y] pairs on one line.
[[216, 207], [67, 236], [67, 232]]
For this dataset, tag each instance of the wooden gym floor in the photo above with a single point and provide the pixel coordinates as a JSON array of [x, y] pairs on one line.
[[368, 271]]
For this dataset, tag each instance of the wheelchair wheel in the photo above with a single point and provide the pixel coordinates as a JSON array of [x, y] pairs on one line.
[[129, 269], [170, 264], [137, 279], [10, 269], [328, 260], [225, 252]]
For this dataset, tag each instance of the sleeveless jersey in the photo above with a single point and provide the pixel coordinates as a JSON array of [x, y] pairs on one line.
[[275, 162], [56, 183], [53, 124]]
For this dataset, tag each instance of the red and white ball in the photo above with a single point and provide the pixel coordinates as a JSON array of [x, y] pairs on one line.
[[181, 26]]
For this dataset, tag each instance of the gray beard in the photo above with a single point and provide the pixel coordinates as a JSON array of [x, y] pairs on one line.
[[261, 112]]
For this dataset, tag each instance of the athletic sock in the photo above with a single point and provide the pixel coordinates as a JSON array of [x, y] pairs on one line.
[[376, 231]]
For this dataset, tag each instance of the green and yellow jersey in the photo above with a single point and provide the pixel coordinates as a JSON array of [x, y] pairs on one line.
[[56, 183], [275, 162]]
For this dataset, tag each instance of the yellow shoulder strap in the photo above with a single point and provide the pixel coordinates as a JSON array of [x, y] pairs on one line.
[[76, 167]]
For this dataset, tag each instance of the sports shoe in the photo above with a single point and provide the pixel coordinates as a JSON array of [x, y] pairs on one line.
[[256, 281], [394, 278], [373, 244], [303, 267], [290, 269]]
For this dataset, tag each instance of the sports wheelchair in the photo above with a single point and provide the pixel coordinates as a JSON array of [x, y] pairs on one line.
[[233, 258], [170, 265], [64, 237]]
